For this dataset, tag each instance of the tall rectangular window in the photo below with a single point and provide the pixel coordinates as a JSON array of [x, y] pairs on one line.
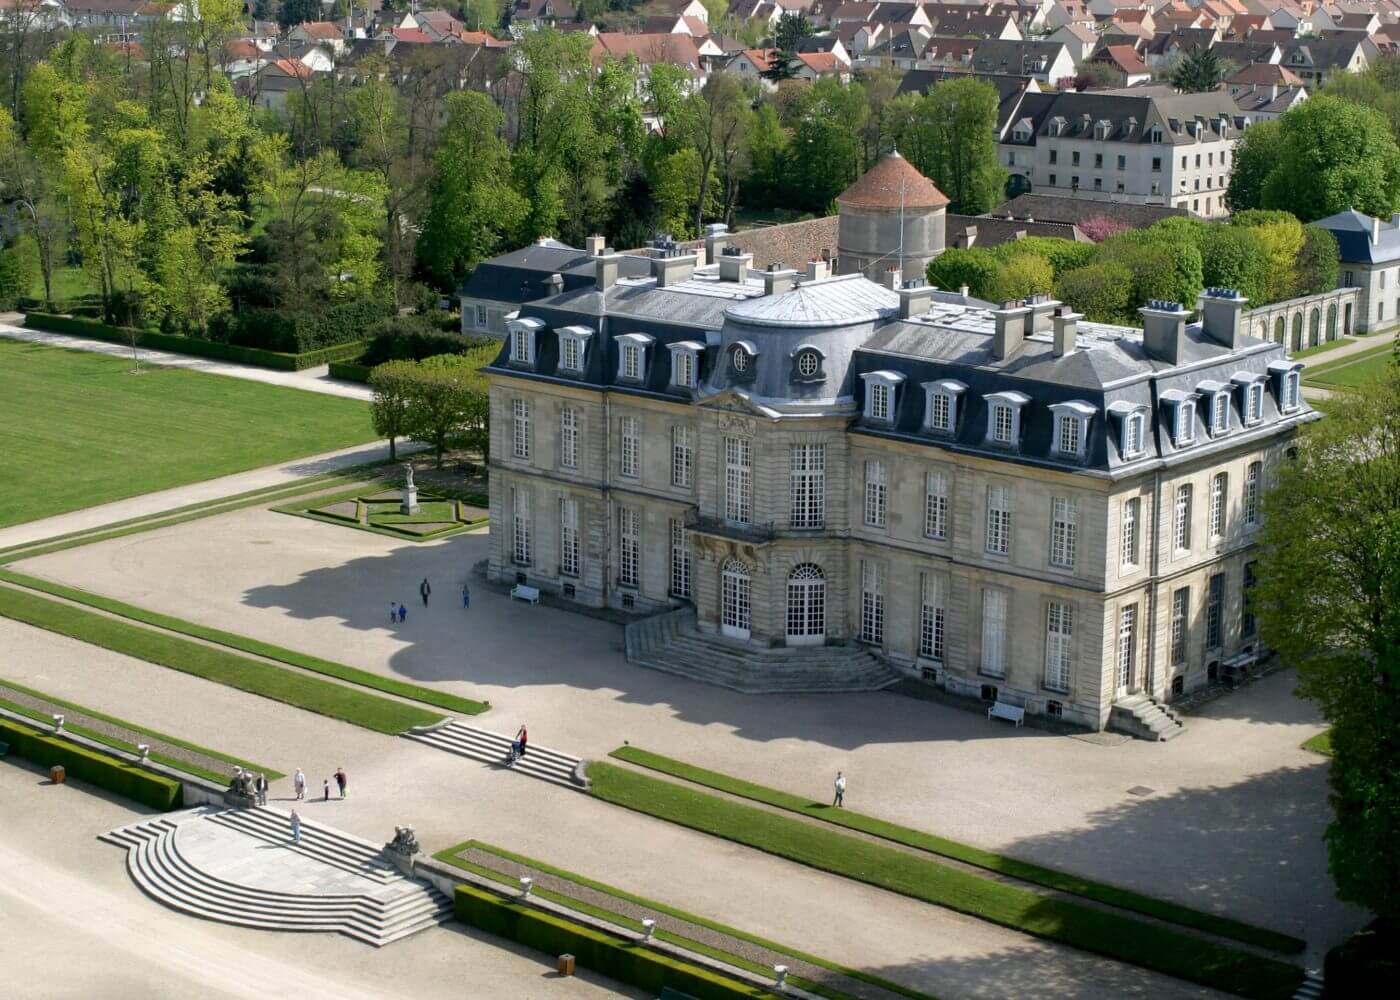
[[879, 401], [682, 456], [1001, 423], [932, 617], [629, 546], [999, 520], [936, 506], [1247, 621], [680, 559], [568, 437], [738, 480], [1215, 612], [520, 347], [631, 450], [1218, 485], [1185, 431], [994, 632], [1127, 644], [683, 363], [520, 526], [875, 494], [1181, 609], [1251, 493], [1128, 532], [568, 537], [1064, 527], [1069, 435], [808, 490], [1220, 413], [631, 361], [1133, 429], [872, 603], [1059, 634], [1181, 523], [940, 411], [520, 429], [569, 354]]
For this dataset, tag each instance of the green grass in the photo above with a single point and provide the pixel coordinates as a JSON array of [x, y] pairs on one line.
[[385, 523], [1024, 870], [219, 665], [1323, 348], [450, 857], [80, 429], [1113, 935], [315, 664], [428, 512], [221, 777], [68, 283], [1321, 743], [1352, 370]]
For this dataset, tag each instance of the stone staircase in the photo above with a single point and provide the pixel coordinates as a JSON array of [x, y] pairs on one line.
[[1145, 718], [493, 748], [384, 906], [672, 643]]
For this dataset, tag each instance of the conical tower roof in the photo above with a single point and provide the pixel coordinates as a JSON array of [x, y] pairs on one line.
[[880, 187]]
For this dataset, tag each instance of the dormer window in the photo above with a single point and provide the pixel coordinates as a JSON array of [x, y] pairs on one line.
[[1218, 417], [880, 390], [1183, 416], [1004, 417], [573, 347], [1133, 435], [742, 359], [631, 357], [807, 364], [1156, 134], [522, 340], [941, 405], [1252, 396], [1071, 433], [685, 363], [1101, 129]]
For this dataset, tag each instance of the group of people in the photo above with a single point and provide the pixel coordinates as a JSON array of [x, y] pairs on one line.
[[299, 786], [398, 611]]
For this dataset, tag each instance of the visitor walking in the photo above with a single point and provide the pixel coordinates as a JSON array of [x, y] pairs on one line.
[[424, 590], [403, 613], [466, 597], [261, 786], [299, 784], [340, 780], [517, 745], [325, 789], [393, 612], [840, 799], [296, 828]]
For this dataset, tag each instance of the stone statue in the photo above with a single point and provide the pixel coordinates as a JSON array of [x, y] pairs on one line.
[[408, 472], [241, 791], [405, 841]]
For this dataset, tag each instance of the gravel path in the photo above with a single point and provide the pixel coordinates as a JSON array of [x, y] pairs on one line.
[[695, 932], [132, 736]]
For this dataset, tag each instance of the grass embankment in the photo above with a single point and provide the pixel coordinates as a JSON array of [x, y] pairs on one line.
[[1322, 348], [1089, 928], [1026, 871], [107, 740], [212, 663], [1321, 743], [1352, 370], [108, 434], [305, 661], [450, 857]]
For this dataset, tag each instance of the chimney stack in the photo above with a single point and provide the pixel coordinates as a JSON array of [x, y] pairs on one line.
[[963, 290], [594, 245], [914, 298], [816, 270], [716, 239], [890, 278], [1164, 330], [605, 269], [554, 283], [1042, 306], [1375, 231], [671, 266], [733, 265], [776, 280], [1395, 220], [1066, 322], [1222, 312], [1011, 329]]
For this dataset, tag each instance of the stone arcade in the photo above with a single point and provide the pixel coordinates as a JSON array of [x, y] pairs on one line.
[[1010, 501]]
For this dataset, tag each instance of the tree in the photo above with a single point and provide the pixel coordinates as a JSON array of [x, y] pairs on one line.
[[1235, 257], [791, 29], [1255, 155], [32, 185], [950, 136], [1022, 275], [975, 267], [1327, 599], [825, 154], [1100, 291], [392, 383], [1199, 71], [439, 402], [722, 121], [293, 12], [481, 15], [1377, 86], [1281, 235], [1318, 263], [1101, 227], [769, 147], [1334, 155], [471, 204]]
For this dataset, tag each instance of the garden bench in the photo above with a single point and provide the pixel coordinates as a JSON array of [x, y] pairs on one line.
[[1011, 713], [520, 592]]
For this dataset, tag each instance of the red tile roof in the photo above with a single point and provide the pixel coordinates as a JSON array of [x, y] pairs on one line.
[[892, 182]]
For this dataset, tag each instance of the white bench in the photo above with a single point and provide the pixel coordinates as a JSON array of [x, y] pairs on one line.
[[1001, 710], [520, 592]]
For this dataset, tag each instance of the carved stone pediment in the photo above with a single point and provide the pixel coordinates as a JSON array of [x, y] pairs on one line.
[[735, 406]]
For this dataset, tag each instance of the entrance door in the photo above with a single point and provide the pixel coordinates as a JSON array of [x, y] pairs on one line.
[[735, 617], [806, 606], [1127, 648]]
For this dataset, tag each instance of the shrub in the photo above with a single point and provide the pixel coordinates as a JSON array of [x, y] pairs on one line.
[[1101, 227], [413, 338], [1159, 269], [154, 790], [976, 267], [296, 333], [1021, 276], [1063, 255], [1100, 291], [1318, 262], [1235, 257]]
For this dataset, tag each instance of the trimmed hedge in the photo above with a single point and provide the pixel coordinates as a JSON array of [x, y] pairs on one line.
[[605, 954], [156, 340], [351, 371], [154, 790], [300, 332]]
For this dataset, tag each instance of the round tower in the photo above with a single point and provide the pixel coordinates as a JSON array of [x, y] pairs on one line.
[[891, 217]]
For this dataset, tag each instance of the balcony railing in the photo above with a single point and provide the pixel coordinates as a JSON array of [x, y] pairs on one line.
[[755, 533]]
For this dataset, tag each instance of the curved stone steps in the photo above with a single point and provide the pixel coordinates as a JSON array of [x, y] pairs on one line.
[[328, 846], [493, 748]]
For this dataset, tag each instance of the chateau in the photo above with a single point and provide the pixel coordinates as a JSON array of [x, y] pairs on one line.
[[1006, 499]]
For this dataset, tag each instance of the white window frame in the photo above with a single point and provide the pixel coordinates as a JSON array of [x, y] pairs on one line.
[[573, 348], [1181, 518], [1180, 626], [933, 617], [1129, 533], [881, 395], [807, 491], [1219, 490], [629, 547], [1064, 531], [1134, 434], [876, 493], [629, 452], [995, 612], [738, 480], [1253, 481], [941, 400], [568, 437], [520, 526], [568, 537], [522, 339], [1004, 410], [680, 559], [872, 603], [1251, 397], [520, 429], [685, 363], [632, 356], [998, 533], [1059, 645], [936, 503], [1184, 422], [1292, 391], [682, 456], [1071, 427]]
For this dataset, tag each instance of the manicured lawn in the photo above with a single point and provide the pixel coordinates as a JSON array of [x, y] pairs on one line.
[[1024, 870], [1126, 939], [68, 283], [80, 429], [1353, 370], [428, 512], [340, 671], [219, 665], [1321, 743], [1323, 348]]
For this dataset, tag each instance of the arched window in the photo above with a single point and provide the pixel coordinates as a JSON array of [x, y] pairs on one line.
[[1297, 331], [1278, 330], [735, 612], [1332, 321], [1315, 327], [806, 604]]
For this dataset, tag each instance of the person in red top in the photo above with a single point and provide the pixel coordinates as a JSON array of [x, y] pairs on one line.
[[517, 746]]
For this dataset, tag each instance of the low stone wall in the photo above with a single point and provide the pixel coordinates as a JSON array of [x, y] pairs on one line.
[[1306, 321]]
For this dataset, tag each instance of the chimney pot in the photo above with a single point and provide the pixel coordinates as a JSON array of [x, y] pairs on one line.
[[1010, 329], [776, 281], [734, 266], [1375, 231], [595, 245], [716, 239], [816, 270], [1042, 305], [670, 266], [890, 278]]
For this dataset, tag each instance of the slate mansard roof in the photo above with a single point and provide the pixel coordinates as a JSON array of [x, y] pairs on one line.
[[1354, 229], [1130, 118], [523, 275], [853, 325]]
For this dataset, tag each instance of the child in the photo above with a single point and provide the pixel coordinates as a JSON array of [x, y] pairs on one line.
[[403, 613], [393, 612], [326, 790]]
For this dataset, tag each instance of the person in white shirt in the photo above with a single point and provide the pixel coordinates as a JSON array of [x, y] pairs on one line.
[[840, 799]]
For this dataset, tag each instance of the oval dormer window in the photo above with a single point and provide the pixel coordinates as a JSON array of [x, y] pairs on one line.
[[741, 360], [808, 364]]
